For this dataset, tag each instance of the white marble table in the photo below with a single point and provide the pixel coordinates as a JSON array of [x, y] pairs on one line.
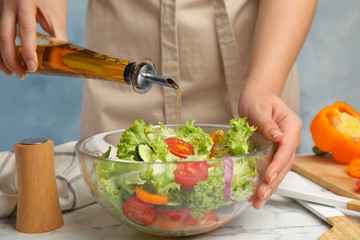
[[280, 218]]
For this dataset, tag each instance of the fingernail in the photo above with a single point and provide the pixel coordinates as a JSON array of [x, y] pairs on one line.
[[31, 66], [273, 178], [9, 74], [20, 74], [261, 204], [266, 194], [274, 133]]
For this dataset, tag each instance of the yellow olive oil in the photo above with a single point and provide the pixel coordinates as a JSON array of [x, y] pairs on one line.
[[68, 60], [56, 57]]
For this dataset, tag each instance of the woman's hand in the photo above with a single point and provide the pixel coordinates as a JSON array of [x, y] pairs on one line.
[[22, 16], [277, 123], [281, 29]]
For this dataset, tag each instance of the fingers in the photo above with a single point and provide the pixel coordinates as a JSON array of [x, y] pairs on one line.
[[277, 123], [27, 31], [24, 16], [4, 68], [266, 189], [60, 32], [7, 45], [268, 128], [286, 147], [261, 114], [282, 160], [51, 16]]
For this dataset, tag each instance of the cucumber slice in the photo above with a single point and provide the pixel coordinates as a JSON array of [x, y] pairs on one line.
[[171, 206], [144, 152]]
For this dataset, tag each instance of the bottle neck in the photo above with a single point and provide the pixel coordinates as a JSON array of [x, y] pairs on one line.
[[142, 75]]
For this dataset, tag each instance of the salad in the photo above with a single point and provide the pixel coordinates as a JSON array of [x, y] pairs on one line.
[[187, 193]]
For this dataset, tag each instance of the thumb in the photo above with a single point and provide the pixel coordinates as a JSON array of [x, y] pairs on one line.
[[54, 29], [59, 30], [61, 34], [270, 130], [52, 18]]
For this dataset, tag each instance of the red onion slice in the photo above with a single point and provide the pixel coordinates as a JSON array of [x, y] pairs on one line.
[[228, 174]]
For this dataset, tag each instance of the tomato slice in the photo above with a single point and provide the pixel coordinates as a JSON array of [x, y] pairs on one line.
[[139, 212], [189, 173], [179, 147]]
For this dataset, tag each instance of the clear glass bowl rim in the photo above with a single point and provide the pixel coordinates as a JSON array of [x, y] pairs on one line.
[[83, 140]]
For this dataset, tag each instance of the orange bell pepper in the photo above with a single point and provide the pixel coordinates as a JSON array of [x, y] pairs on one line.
[[354, 168], [151, 198], [217, 134], [336, 129]]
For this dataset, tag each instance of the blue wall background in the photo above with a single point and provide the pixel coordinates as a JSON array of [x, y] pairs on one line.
[[329, 63], [44, 106], [329, 66]]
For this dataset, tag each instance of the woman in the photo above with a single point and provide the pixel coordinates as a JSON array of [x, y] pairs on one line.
[[230, 58]]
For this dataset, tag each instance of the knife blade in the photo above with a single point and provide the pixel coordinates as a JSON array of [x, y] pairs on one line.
[[293, 186]]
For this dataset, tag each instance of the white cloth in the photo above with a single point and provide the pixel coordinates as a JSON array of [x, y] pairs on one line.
[[72, 189]]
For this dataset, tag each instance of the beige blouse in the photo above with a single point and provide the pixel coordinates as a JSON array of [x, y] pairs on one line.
[[204, 45]]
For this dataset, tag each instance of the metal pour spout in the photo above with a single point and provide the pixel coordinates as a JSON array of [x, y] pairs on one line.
[[159, 80]]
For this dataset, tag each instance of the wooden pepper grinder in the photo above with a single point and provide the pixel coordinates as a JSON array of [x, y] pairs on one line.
[[38, 207]]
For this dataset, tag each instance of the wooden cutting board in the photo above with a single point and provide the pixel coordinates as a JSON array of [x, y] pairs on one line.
[[328, 173]]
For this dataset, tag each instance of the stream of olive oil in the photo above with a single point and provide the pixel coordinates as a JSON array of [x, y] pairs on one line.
[[177, 107], [177, 89]]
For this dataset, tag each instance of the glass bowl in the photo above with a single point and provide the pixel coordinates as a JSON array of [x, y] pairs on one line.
[[117, 185]]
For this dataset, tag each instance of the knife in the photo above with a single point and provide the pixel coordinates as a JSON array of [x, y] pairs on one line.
[[293, 186], [342, 227]]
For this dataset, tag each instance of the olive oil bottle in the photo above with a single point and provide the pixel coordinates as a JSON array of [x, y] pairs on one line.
[[56, 57]]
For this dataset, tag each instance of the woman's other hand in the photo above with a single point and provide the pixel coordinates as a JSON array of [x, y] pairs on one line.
[[277, 123]]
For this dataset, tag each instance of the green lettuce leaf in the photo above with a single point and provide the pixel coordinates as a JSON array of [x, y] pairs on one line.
[[159, 146], [160, 178], [207, 195], [132, 137], [237, 137], [244, 174], [200, 140], [117, 181]]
